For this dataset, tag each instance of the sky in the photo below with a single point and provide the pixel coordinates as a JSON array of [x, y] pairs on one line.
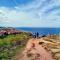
[[29, 13]]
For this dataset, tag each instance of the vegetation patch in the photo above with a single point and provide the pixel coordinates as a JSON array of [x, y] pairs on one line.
[[10, 44]]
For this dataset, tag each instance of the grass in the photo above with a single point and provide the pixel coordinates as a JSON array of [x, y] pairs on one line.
[[10, 44]]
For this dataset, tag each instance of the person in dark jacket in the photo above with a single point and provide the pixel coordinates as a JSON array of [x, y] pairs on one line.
[[37, 34]]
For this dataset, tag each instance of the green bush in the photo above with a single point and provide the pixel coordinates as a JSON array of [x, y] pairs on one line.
[[7, 45]]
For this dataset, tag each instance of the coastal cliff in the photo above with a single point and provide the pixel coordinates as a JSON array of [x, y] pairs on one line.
[[20, 45]]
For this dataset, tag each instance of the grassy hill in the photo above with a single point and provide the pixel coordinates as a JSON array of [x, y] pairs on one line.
[[10, 44]]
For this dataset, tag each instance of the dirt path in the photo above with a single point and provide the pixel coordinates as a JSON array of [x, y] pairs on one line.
[[35, 51]]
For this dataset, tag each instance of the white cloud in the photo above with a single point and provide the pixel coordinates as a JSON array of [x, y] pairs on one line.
[[16, 18], [39, 13]]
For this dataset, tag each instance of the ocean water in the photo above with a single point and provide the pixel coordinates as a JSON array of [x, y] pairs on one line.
[[41, 31]]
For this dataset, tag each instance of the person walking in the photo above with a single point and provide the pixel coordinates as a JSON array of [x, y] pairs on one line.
[[37, 35], [34, 35]]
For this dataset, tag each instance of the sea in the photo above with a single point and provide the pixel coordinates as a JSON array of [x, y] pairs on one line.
[[41, 31]]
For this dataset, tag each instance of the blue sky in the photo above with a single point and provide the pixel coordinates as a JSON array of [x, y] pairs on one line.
[[13, 3], [30, 13]]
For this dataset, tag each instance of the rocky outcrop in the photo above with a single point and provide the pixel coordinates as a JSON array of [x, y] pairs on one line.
[[7, 31]]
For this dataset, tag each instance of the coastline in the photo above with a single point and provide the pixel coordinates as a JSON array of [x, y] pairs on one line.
[[12, 40]]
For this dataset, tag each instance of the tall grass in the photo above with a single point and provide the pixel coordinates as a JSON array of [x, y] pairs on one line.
[[10, 44]]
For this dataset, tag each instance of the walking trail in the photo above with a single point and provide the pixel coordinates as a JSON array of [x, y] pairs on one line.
[[35, 51]]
